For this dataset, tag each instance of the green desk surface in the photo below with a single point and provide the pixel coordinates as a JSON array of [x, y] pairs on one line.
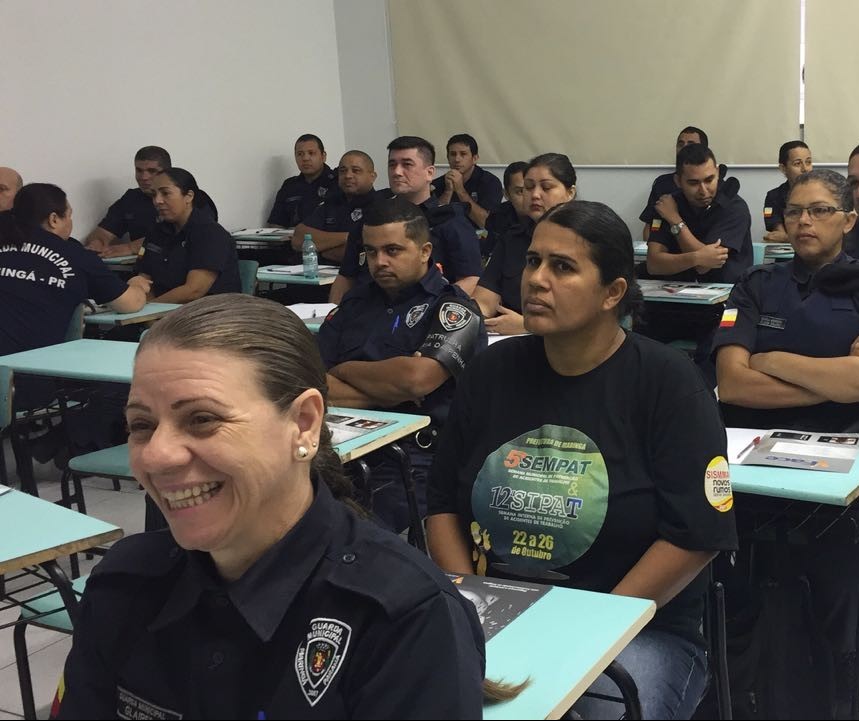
[[151, 311], [87, 359], [404, 425]]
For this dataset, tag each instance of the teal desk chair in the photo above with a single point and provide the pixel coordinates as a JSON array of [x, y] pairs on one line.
[[759, 250], [248, 275], [75, 331]]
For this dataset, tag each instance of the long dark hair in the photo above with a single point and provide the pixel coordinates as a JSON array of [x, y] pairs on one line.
[[275, 341], [32, 206], [183, 180]]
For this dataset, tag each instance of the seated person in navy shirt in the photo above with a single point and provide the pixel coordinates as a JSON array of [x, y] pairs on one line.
[[510, 213], [400, 341], [10, 183], [187, 255], [794, 159], [301, 193], [330, 222], [466, 182], [665, 183], [411, 166], [44, 277], [851, 239], [550, 179], [133, 214]]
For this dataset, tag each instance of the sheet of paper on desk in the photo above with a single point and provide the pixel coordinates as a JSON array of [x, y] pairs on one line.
[[4, 489], [498, 602], [309, 311], [264, 231], [808, 450], [293, 269]]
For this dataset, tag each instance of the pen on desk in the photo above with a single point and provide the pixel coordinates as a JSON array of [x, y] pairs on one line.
[[396, 324], [755, 441]]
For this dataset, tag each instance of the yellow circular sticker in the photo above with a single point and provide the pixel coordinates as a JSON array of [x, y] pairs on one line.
[[717, 485]]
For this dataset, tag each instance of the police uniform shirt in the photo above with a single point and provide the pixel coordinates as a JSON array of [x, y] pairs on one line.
[[168, 255], [774, 203], [134, 213], [779, 307], [297, 198], [483, 187], [498, 222], [42, 283], [455, 244], [569, 480], [727, 219], [663, 185], [433, 317], [339, 619], [503, 272], [339, 213]]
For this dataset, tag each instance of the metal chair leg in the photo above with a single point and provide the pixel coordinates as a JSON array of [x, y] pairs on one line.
[[628, 690], [416, 534], [25, 679]]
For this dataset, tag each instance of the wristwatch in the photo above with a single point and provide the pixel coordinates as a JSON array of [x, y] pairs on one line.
[[675, 229]]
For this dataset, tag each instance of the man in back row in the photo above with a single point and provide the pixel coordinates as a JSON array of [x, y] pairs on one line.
[[10, 183], [329, 224], [411, 166], [300, 194], [466, 182], [134, 213]]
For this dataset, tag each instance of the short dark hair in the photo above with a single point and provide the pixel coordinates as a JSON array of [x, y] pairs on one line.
[[694, 154], [702, 136], [609, 244], [520, 166], [154, 154], [399, 210], [32, 206], [853, 153], [834, 182], [559, 166], [463, 139], [424, 147], [360, 154], [307, 137], [183, 180], [785, 149]]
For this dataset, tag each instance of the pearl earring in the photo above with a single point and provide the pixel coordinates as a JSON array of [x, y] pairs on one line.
[[302, 452]]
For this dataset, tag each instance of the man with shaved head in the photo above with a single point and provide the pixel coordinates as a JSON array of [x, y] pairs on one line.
[[10, 184]]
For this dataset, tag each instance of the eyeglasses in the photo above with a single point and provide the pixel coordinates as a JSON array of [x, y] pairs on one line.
[[793, 213]]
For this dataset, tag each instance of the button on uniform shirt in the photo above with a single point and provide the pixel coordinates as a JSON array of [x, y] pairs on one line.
[[168, 255], [338, 619], [782, 307], [483, 187], [727, 219], [297, 198], [455, 244], [42, 283], [774, 204], [433, 317], [134, 213]]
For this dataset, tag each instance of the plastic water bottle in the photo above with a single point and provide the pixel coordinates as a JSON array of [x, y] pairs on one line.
[[309, 258]]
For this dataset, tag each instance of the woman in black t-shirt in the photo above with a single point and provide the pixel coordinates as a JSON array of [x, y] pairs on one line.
[[187, 255], [587, 457], [550, 180]]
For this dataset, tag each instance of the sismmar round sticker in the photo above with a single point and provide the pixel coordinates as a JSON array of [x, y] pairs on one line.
[[542, 498], [717, 485]]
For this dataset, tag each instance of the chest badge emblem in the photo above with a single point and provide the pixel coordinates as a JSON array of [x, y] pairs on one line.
[[320, 657], [415, 314]]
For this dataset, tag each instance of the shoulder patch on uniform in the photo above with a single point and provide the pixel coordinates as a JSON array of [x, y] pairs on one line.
[[729, 318], [415, 313], [656, 224], [357, 214], [320, 656], [768, 212], [454, 316], [331, 313]]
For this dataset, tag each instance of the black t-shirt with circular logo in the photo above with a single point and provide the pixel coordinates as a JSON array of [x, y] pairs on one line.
[[570, 479]]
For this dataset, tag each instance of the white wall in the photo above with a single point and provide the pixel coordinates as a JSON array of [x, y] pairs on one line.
[[225, 86]]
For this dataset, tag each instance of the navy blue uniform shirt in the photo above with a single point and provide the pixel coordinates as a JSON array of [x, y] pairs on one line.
[[503, 272], [297, 198], [455, 244], [663, 185], [727, 219], [168, 255], [369, 326], [483, 187], [338, 619], [498, 222], [780, 307], [339, 213], [134, 213], [42, 283], [774, 206]]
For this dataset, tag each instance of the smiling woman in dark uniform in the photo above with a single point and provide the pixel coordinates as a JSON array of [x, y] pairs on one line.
[[270, 598], [187, 255]]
